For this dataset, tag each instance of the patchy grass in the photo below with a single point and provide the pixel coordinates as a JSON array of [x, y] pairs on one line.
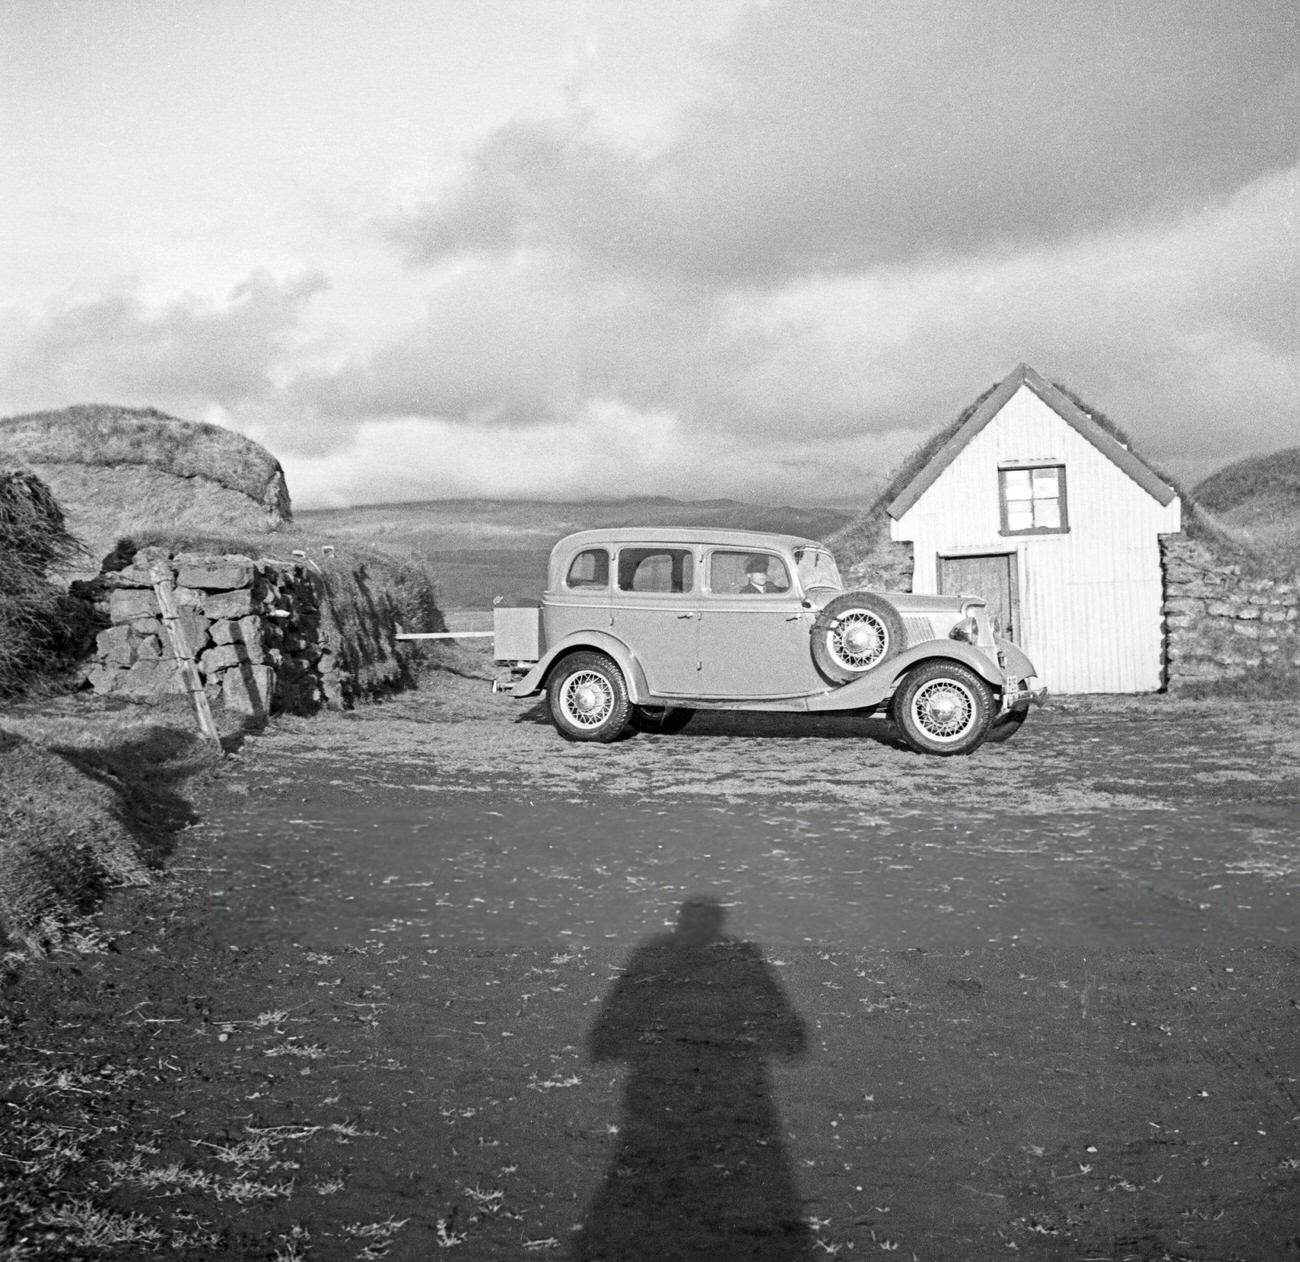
[[1274, 684], [85, 806], [41, 629]]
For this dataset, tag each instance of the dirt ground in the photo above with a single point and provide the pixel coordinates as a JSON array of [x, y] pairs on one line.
[[426, 977]]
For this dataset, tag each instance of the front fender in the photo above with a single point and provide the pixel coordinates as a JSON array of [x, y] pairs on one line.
[[874, 688], [598, 641], [1018, 665]]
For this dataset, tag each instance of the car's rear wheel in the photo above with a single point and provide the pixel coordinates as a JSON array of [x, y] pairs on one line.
[[660, 719], [854, 634], [943, 708], [587, 697], [1005, 728]]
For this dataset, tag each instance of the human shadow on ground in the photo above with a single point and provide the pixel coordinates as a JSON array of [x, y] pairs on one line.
[[701, 1170]]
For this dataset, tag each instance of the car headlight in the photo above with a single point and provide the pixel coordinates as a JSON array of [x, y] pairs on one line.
[[966, 629]]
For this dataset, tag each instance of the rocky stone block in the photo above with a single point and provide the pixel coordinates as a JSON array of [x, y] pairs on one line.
[[150, 649], [132, 576], [228, 604], [115, 646], [247, 632], [248, 690], [103, 679], [214, 573], [222, 657], [145, 680], [128, 603]]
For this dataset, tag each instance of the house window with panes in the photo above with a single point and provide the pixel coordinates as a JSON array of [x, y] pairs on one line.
[[1033, 499]]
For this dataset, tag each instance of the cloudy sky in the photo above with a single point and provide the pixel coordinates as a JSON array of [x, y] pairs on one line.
[[580, 248]]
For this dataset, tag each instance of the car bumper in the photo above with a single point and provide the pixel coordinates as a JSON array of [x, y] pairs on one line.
[[1021, 698]]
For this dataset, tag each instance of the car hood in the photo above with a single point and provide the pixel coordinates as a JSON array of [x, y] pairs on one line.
[[904, 602]]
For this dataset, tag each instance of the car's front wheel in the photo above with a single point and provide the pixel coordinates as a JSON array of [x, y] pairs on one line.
[[943, 708], [588, 699], [663, 720]]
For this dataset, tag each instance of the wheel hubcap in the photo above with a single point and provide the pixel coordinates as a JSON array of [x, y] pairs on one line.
[[859, 641], [944, 709], [588, 699]]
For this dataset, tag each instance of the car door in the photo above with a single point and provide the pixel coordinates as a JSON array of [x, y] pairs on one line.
[[656, 614], [753, 643]]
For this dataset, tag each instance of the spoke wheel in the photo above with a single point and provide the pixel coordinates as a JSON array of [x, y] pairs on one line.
[[943, 708], [855, 634], [588, 698]]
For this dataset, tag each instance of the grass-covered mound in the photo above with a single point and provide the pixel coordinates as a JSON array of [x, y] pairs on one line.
[[101, 434], [115, 470], [87, 803], [1259, 500]]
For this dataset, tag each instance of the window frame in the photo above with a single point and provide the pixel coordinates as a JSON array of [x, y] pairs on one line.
[[1030, 467], [647, 551], [733, 550], [588, 585]]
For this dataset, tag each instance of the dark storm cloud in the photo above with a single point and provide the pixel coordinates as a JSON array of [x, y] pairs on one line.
[[113, 348], [836, 135]]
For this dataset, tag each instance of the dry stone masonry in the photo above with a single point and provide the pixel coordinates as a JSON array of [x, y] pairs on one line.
[[253, 626], [1221, 623]]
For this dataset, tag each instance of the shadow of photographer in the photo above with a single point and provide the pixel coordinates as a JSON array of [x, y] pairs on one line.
[[701, 1170]]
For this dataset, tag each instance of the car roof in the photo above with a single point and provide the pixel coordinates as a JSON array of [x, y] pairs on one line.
[[708, 536]]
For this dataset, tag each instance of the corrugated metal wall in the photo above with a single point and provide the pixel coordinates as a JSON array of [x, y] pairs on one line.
[[1090, 599]]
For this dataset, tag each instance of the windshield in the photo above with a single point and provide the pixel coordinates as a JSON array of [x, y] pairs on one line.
[[817, 568]]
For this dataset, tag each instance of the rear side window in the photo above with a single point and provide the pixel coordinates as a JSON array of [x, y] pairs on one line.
[[655, 570], [589, 569]]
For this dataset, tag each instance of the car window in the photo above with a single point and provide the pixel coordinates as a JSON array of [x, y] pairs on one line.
[[589, 569], [742, 573], [655, 570], [817, 568]]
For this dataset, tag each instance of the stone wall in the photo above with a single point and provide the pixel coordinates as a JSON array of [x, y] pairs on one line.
[[1221, 623], [253, 626]]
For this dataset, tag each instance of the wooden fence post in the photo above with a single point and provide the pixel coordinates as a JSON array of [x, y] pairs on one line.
[[162, 587]]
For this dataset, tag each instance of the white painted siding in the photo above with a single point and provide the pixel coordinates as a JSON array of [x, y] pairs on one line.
[[1090, 599]]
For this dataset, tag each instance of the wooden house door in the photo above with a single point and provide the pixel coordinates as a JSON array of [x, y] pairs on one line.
[[996, 577]]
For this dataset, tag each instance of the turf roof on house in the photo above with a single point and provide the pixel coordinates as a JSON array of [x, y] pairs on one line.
[[924, 466]]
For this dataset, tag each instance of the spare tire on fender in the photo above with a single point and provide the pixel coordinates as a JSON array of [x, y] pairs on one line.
[[855, 634]]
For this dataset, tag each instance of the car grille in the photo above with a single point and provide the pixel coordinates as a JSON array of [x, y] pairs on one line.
[[918, 629]]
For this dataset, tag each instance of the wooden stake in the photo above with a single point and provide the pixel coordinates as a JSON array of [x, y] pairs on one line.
[[162, 587]]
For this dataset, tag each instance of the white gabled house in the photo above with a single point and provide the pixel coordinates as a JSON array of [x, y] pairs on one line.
[[1035, 505]]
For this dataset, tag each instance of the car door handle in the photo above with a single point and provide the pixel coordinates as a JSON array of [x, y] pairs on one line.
[[681, 616]]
